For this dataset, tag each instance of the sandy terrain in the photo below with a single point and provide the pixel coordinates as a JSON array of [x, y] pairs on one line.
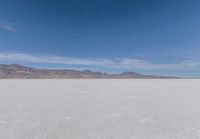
[[100, 109]]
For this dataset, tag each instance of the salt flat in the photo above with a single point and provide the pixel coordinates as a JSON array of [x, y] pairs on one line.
[[100, 109]]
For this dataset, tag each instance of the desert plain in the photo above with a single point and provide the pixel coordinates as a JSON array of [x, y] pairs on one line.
[[100, 109]]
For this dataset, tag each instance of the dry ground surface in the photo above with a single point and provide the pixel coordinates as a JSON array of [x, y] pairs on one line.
[[100, 109]]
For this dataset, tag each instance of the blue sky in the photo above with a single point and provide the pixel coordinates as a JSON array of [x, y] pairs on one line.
[[147, 36]]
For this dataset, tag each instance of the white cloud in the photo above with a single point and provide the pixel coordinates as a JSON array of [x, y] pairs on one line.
[[123, 63], [7, 26]]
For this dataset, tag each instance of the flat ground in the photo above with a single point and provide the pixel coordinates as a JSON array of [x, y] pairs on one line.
[[100, 109]]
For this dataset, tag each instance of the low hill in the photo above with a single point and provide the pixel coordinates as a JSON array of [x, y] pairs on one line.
[[14, 71]]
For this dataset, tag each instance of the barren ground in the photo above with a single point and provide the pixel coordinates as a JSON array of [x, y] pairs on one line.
[[100, 109]]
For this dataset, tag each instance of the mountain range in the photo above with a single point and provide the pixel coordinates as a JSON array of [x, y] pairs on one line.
[[15, 71]]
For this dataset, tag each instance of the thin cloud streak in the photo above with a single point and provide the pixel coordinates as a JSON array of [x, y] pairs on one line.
[[7, 26], [120, 63]]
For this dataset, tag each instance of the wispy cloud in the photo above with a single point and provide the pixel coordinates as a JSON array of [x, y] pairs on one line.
[[7, 26], [121, 63]]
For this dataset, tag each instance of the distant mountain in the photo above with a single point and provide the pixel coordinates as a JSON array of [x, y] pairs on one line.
[[15, 71]]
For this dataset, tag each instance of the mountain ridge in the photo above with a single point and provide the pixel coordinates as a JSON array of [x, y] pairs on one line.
[[16, 71]]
